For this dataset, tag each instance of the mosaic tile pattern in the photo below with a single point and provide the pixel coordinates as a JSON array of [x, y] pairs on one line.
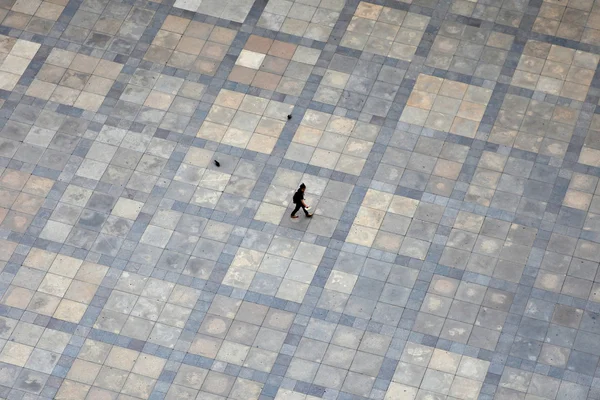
[[274, 65], [35, 16], [190, 45], [555, 70], [74, 79], [385, 31], [503, 12], [590, 148], [451, 155], [310, 19], [370, 89], [15, 57], [446, 105], [245, 121], [519, 122], [572, 20], [226, 9], [469, 50], [336, 143]]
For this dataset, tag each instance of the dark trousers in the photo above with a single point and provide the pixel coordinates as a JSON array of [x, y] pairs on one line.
[[298, 207]]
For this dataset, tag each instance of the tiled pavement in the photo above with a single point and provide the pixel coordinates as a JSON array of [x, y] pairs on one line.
[[451, 150]]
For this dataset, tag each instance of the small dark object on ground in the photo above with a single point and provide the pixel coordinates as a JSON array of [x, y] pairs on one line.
[[290, 116], [218, 164]]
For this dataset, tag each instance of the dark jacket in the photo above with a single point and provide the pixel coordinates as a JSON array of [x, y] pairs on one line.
[[298, 197]]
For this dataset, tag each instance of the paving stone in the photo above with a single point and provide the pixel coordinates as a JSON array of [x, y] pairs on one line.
[[150, 152]]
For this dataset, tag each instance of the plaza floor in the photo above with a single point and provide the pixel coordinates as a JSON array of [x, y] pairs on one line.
[[451, 153]]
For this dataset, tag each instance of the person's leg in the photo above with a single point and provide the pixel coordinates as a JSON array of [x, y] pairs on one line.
[[296, 210], [306, 211]]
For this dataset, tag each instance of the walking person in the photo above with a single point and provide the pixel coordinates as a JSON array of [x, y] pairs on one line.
[[299, 202]]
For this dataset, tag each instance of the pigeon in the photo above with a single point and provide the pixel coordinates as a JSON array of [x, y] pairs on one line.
[[290, 116], [218, 164]]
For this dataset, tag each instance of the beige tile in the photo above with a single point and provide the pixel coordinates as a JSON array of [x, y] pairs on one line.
[[127, 208], [403, 206], [55, 285], [69, 310], [222, 35], [65, 95], [445, 361], [94, 351], [98, 85], [81, 292], [40, 89], [28, 204], [205, 346], [250, 59], [14, 64], [70, 390], [17, 297], [341, 282], [166, 39], [229, 99], [39, 259], [83, 371], [60, 57], [270, 213], [549, 281], [83, 63], [473, 368], [400, 391], [175, 24], [292, 291], [589, 156], [49, 11], [111, 379], [65, 266], [138, 386], [198, 30], [369, 217], [190, 45], [6, 44], [89, 101], [236, 137], [15, 353], [158, 54], [26, 6], [108, 69], [13, 179], [122, 358], [463, 388], [261, 143], [415, 116], [368, 11], [577, 199], [16, 20], [149, 366], [91, 273]]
